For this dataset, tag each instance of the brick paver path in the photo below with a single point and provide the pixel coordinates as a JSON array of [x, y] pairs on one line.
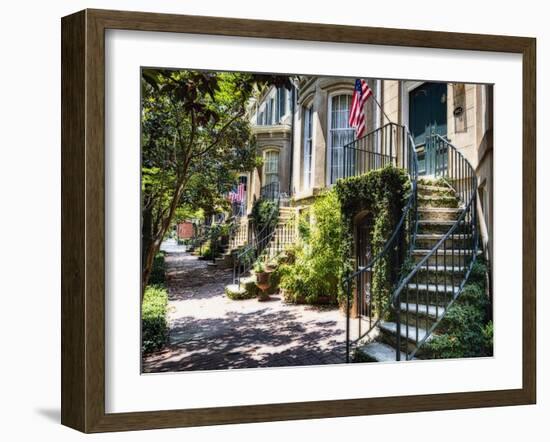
[[208, 331]]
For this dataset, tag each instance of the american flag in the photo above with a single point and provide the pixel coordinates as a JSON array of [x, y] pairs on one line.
[[361, 93], [237, 196]]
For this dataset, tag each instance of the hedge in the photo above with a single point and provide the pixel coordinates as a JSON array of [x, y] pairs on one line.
[[153, 318]]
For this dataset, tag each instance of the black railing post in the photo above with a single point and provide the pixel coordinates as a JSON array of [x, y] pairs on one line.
[[348, 313], [398, 327]]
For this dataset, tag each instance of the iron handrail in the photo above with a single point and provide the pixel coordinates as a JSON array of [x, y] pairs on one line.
[[256, 247], [465, 171], [372, 151], [271, 191]]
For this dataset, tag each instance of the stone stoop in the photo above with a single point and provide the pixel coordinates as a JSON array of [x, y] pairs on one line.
[[424, 299]]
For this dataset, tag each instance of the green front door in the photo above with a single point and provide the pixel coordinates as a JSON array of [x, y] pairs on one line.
[[427, 118]]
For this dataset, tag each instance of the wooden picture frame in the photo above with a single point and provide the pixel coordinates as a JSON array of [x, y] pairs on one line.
[[83, 215]]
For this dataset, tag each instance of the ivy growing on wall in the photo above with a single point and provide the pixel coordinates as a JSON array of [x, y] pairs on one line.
[[382, 193], [324, 254]]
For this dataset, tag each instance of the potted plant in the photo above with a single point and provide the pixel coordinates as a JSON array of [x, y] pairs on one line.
[[262, 280], [271, 265]]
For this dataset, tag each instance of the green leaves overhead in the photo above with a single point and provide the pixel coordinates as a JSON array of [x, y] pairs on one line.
[[195, 138]]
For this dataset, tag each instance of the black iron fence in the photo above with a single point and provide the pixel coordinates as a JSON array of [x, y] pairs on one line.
[[375, 150]]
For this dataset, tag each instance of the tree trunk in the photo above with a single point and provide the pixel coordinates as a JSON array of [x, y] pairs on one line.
[[148, 251]]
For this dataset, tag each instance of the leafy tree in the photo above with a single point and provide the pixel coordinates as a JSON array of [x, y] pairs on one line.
[[195, 138]]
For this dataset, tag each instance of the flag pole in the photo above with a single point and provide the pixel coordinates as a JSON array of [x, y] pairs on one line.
[[380, 107]]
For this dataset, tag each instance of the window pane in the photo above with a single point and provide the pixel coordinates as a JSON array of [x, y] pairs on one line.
[[272, 162], [281, 103], [308, 135], [271, 167], [268, 113], [340, 134]]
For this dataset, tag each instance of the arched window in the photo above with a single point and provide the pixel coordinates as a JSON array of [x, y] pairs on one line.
[[271, 167], [340, 133]]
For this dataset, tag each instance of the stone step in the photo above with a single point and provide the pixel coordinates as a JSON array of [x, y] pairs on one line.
[[441, 269], [452, 276], [389, 330], [441, 226], [427, 190], [379, 352], [434, 182], [429, 240], [438, 213], [287, 211], [433, 288], [423, 309], [457, 257], [447, 201]]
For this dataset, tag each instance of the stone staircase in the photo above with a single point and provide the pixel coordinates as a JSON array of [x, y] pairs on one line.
[[425, 297], [285, 232]]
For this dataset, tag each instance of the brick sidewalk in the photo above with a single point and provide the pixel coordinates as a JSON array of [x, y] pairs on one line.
[[208, 331]]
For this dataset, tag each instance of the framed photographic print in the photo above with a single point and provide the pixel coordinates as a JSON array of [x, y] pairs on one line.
[[267, 221]]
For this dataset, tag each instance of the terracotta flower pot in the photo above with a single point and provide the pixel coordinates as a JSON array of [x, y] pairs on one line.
[[262, 282]]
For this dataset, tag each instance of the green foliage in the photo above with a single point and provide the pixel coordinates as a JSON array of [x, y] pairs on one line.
[[359, 356], [153, 318], [264, 214], [247, 289], [246, 255], [317, 267], [382, 194], [259, 266], [195, 138], [465, 330], [186, 212], [157, 272]]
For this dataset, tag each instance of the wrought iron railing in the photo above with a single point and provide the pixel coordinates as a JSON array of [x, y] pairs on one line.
[[425, 294], [239, 233], [375, 150], [271, 191], [393, 145], [244, 259]]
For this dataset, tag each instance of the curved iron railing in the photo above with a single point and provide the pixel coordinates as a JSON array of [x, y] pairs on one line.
[[393, 145], [271, 191], [437, 279]]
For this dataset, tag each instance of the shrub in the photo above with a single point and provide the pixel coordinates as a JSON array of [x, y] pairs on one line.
[[263, 214], [157, 276], [246, 290], [153, 318], [316, 266], [465, 330]]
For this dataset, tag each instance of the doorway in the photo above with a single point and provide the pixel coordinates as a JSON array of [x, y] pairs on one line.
[[427, 120]]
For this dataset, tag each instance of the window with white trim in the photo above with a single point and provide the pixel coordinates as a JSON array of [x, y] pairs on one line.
[[340, 134], [271, 167]]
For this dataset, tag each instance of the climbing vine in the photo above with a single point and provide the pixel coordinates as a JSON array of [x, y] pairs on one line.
[[382, 193], [321, 260]]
